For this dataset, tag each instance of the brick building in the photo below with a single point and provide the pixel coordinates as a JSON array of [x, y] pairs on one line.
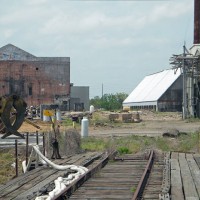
[[38, 80]]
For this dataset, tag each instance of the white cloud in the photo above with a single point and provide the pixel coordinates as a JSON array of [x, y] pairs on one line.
[[8, 33], [98, 20], [36, 2], [170, 10], [88, 31]]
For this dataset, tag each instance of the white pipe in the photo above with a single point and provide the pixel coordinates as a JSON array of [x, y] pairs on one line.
[[60, 183], [81, 169]]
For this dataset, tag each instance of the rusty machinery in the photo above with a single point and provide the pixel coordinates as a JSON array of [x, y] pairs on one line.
[[12, 115]]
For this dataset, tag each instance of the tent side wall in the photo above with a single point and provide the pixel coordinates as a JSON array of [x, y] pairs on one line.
[[172, 99], [141, 105]]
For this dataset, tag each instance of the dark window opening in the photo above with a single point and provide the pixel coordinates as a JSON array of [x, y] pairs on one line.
[[30, 91], [36, 68]]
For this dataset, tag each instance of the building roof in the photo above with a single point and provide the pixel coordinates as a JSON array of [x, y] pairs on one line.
[[151, 88], [11, 52]]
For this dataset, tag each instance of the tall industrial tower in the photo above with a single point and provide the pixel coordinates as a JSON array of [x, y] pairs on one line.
[[189, 63]]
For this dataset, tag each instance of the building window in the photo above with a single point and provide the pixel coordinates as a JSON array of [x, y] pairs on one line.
[[30, 91]]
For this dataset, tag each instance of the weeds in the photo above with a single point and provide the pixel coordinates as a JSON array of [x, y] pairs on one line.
[[162, 144], [133, 144], [133, 189], [6, 170], [123, 150], [93, 144]]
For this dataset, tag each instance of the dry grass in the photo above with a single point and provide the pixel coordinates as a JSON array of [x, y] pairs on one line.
[[7, 161], [6, 170], [183, 143]]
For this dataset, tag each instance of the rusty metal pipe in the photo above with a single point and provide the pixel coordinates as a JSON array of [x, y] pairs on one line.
[[196, 21]]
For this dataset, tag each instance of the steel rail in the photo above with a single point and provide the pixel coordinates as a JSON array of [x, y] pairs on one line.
[[140, 188]]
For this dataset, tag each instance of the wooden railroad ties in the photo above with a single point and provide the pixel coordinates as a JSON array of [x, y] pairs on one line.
[[119, 179]]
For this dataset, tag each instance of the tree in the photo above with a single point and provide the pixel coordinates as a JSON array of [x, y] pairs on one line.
[[109, 101], [96, 102]]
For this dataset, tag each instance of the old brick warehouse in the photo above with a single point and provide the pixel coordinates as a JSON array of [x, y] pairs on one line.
[[38, 80]]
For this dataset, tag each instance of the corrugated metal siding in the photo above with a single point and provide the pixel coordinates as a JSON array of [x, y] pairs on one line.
[[151, 88]]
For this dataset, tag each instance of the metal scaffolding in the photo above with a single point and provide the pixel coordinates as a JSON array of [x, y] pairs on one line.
[[190, 67]]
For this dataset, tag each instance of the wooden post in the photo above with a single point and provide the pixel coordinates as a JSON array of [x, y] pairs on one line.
[[37, 157], [37, 139], [198, 142], [16, 159], [43, 140], [27, 140]]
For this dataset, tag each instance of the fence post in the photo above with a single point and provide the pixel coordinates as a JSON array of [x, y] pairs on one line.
[[43, 141], [16, 158], [37, 139], [27, 140], [198, 141], [37, 157]]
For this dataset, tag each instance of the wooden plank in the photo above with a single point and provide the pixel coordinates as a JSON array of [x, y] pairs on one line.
[[197, 159], [94, 183], [33, 188], [195, 171], [38, 173], [174, 155], [188, 183], [25, 184], [105, 190], [27, 176], [40, 182], [103, 196], [176, 182]]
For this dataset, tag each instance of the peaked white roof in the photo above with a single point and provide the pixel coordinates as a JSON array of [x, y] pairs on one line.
[[151, 88]]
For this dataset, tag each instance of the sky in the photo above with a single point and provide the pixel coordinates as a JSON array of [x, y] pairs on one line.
[[112, 44]]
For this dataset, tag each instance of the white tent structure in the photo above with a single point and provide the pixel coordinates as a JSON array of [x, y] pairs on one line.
[[161, 91]]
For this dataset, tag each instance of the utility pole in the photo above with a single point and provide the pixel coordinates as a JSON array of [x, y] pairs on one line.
[[102, 96], [184, 106]]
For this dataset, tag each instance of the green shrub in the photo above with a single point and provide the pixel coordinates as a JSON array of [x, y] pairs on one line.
[[123, 150]]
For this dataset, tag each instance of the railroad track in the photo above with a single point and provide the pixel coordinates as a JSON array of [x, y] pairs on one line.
[[109, 176], [122, 177]]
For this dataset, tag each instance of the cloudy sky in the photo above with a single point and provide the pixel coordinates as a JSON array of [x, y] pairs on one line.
[[111, 42]]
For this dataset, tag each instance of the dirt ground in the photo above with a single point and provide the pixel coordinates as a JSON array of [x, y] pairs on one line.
[[152, 124]]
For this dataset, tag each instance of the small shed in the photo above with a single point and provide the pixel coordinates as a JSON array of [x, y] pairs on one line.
[[161, 91]]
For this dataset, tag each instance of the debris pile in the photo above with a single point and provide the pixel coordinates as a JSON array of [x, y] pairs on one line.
[[125, 117]]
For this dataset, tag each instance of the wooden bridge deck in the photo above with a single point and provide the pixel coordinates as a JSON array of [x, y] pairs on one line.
[[27, 185], [185, 176]]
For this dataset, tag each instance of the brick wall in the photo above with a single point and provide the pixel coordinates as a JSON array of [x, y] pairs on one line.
[[37, 82]]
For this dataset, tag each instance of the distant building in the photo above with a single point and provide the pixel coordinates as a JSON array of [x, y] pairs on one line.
[[39, 80], [161, 91], [79, 98]]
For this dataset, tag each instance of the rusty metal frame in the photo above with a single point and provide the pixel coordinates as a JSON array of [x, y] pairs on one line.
[[139, 191], [10, 124]]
